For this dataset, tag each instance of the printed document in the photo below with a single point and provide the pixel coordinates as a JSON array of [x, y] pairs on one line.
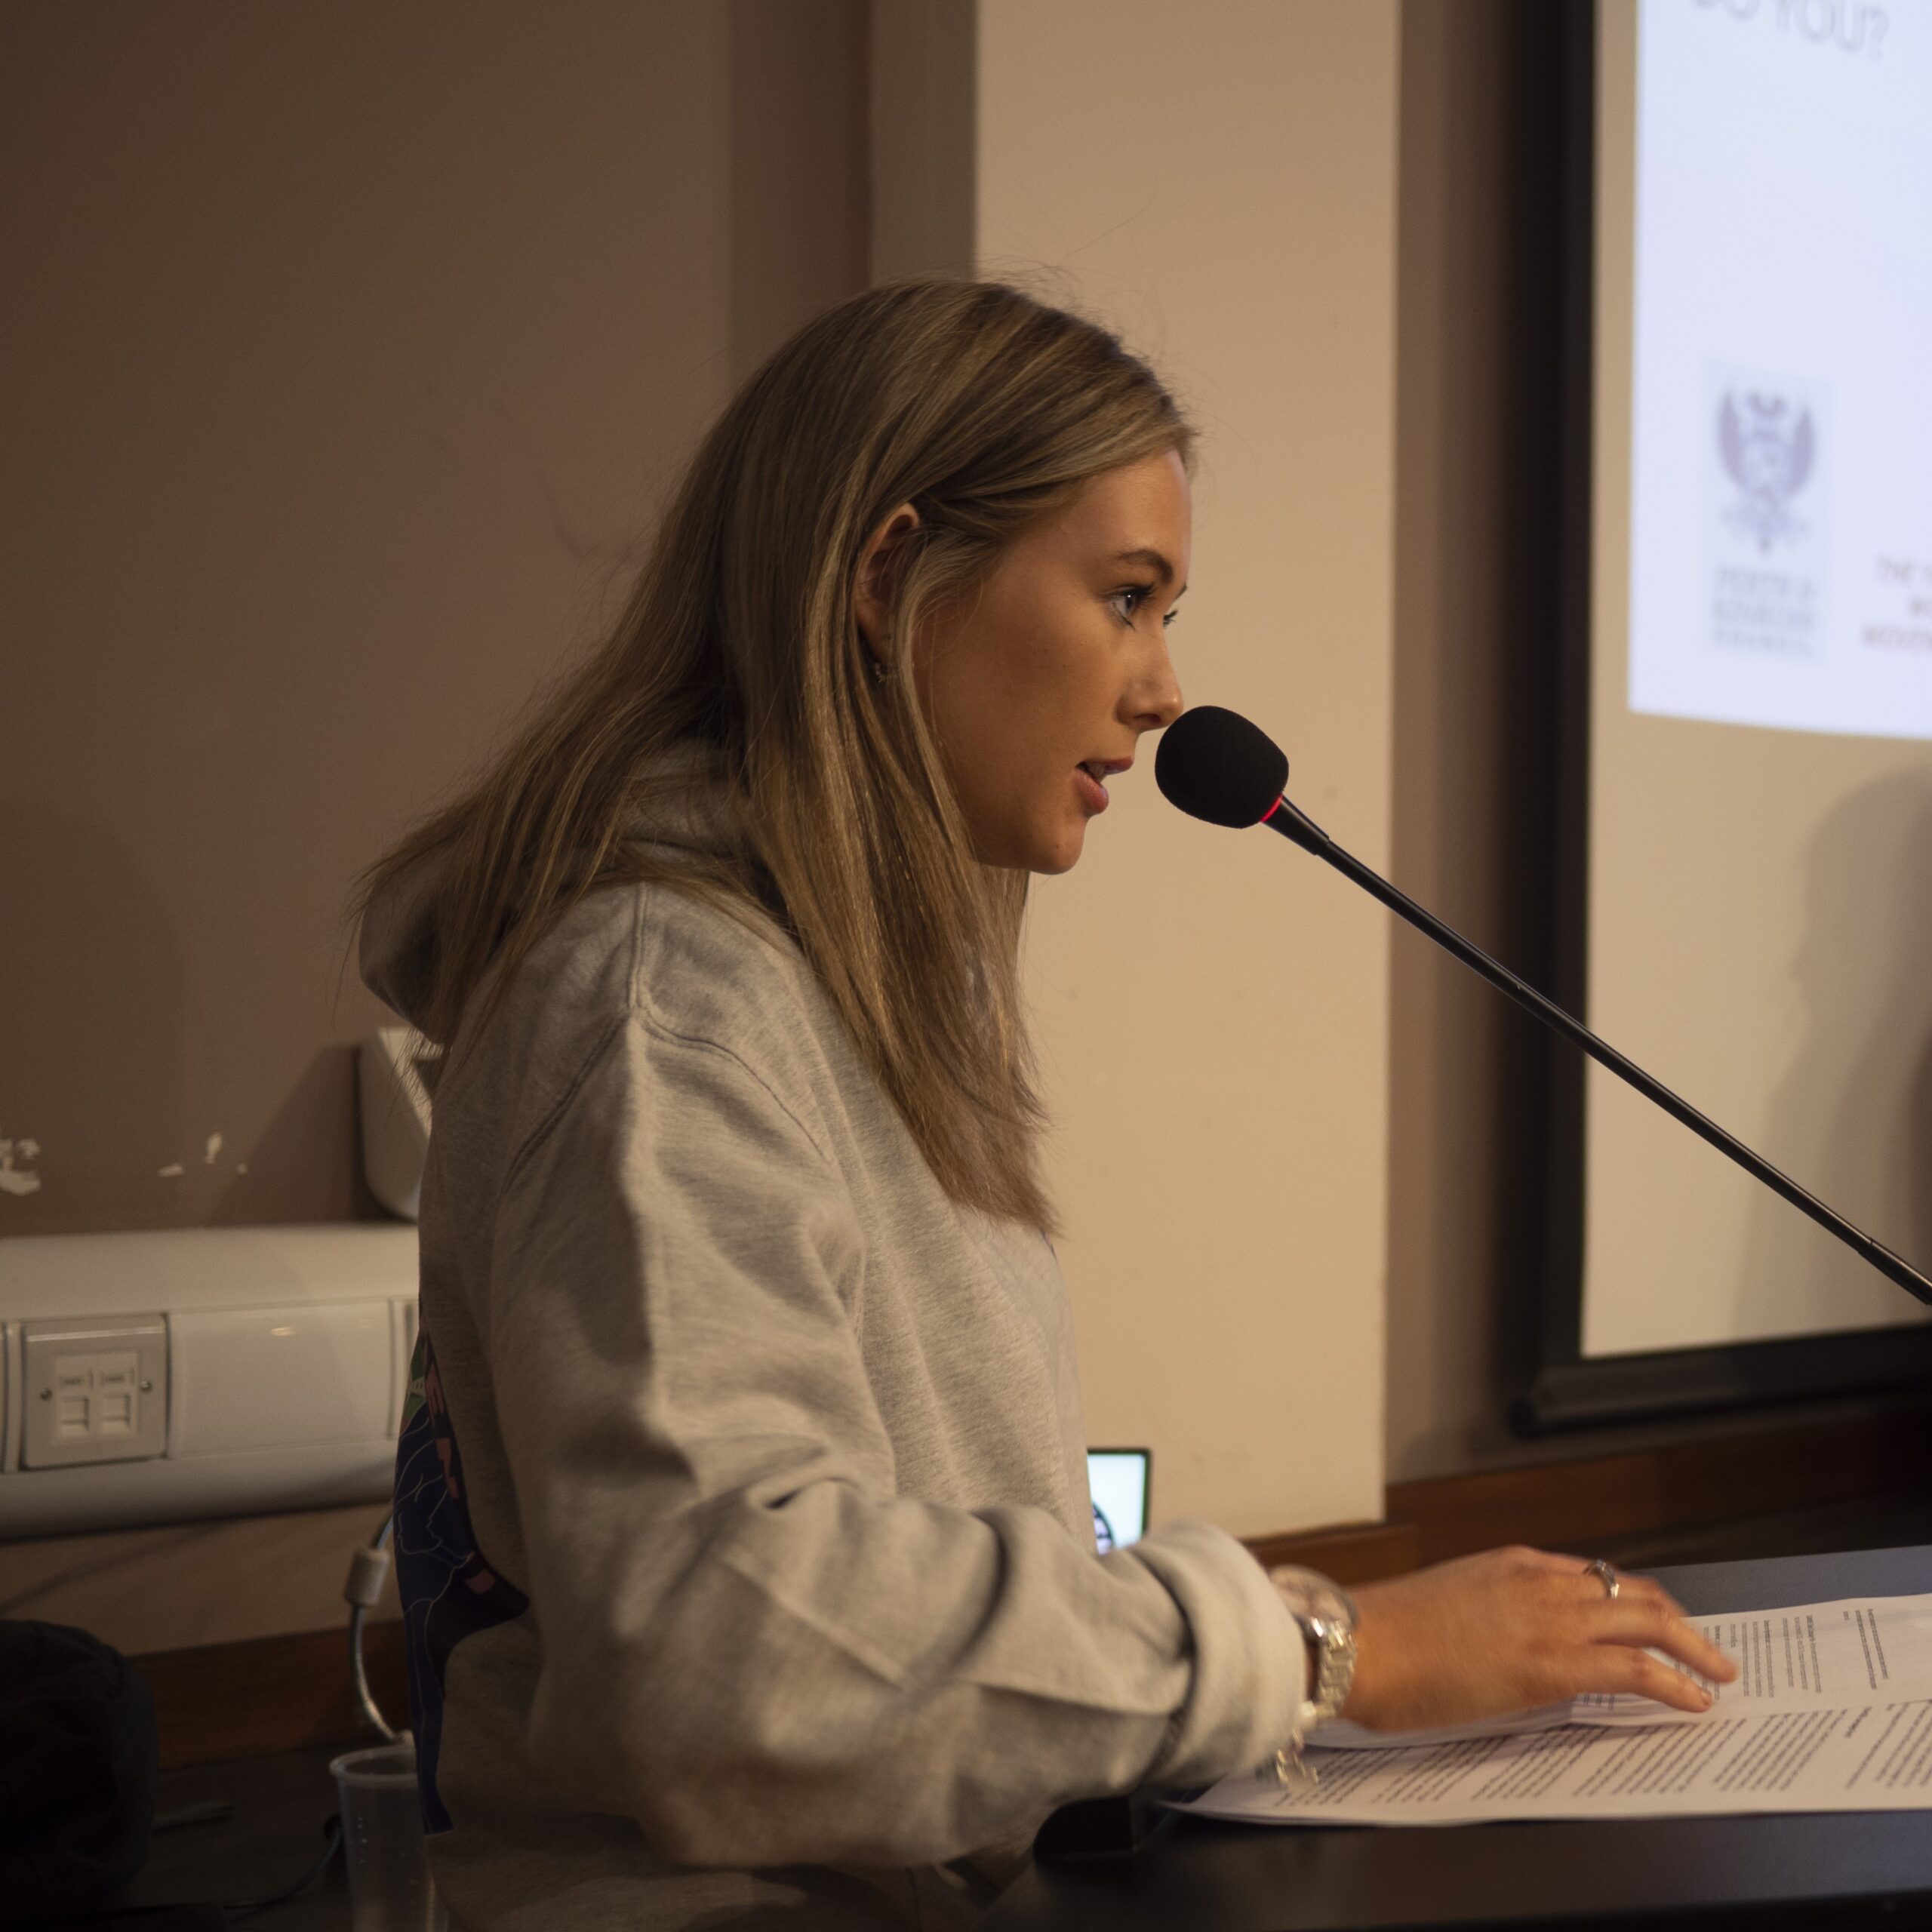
[[1831, 1711]]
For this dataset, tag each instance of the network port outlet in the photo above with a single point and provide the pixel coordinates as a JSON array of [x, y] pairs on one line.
[[96, 1390]]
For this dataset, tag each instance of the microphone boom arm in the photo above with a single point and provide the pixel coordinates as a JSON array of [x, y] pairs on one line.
[[1295, 826]]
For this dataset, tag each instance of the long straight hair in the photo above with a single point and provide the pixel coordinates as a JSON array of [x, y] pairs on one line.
[[986, 410]]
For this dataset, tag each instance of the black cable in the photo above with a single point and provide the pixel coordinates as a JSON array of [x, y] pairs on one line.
[[242, 1909], [332, 1825]]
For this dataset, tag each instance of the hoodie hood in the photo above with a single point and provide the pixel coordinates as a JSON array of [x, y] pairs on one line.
[[685, 810], [396, 949]]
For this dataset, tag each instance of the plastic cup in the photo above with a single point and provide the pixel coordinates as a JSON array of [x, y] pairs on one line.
[[389, 1887]]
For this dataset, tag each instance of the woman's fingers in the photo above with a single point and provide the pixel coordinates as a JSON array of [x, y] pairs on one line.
[[1647, 1590], [1620, 1668], [1656, 1623], [1653, 1625], [1617, 1667], [1688, 1644]]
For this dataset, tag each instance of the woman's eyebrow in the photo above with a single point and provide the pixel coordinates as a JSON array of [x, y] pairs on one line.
[[1153, 559]]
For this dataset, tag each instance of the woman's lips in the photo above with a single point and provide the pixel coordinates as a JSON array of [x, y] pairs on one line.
[[1093, 793]]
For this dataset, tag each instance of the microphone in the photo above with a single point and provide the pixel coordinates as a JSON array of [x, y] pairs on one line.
[[1214, 764]]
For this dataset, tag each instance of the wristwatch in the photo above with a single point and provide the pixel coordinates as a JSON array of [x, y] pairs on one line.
[[1326, 1615]]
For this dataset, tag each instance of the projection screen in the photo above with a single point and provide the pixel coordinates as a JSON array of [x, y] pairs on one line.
[[1757, 916]]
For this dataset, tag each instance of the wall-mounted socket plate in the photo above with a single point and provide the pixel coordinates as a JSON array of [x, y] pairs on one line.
[[95, 1390], [270, 1374]]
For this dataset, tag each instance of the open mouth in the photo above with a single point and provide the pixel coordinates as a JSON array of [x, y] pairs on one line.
[[1093, 772]]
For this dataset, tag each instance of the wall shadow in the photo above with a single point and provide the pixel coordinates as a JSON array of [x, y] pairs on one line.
[[801, 231], [1851, 1120]]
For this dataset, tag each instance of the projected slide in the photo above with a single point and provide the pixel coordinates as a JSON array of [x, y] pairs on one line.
[[1781, 476]]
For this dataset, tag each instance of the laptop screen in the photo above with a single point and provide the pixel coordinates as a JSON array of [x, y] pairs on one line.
[[1119, 1479]]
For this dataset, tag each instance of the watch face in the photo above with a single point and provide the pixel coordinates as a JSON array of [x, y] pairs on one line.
[[1310, 1594]]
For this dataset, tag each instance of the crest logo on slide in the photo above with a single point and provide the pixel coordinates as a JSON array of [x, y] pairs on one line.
[[1768, 443], [1766, 438]]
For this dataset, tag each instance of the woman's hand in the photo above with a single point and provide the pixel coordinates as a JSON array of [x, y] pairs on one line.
[[1513, 1628]]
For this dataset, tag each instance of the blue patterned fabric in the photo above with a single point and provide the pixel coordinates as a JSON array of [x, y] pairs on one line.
[[449, 1591]]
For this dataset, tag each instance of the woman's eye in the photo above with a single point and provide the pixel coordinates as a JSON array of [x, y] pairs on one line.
[[1128, 600]]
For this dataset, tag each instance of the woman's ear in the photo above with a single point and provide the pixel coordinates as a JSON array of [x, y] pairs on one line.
[[873, 594]]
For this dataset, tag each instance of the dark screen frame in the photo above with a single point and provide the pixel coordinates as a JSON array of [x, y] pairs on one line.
[[1560, 1388]]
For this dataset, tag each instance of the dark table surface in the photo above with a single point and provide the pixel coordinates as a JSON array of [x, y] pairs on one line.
[[1202, 1875], [271, 1835], [1843, 1869]]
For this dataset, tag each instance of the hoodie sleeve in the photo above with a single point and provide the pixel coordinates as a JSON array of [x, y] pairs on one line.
[[750, 1643]]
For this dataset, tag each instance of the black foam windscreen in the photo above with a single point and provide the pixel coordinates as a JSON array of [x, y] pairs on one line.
[[1214, 764]]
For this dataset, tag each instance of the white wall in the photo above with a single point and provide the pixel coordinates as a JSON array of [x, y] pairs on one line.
[[1219, 182]]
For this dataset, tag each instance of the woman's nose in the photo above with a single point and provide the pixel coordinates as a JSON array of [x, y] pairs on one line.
[[1158, 703]]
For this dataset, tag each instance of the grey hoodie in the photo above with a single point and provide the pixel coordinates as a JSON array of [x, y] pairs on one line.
[[743, 1522]]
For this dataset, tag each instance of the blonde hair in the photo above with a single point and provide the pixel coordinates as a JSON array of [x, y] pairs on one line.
[[987, 410]]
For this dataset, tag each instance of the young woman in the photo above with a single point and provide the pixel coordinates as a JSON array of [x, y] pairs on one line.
[[742, 1513]]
